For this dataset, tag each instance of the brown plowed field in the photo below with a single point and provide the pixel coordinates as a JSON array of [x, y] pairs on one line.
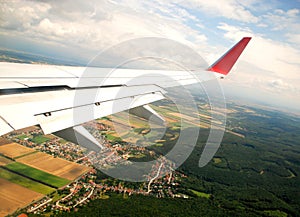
[[13, 150], [56, 166], [13, 196]]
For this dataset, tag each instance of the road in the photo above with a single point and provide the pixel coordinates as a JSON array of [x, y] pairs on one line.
[[155, 177]]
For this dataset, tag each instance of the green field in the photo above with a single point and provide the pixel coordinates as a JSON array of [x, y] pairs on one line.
[[200, 194], [22, 137], [38, 175], [159, 144], [40, 139], [110, 137], [27, 183]]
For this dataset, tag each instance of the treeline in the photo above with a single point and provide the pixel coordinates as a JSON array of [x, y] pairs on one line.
[[138, 205]]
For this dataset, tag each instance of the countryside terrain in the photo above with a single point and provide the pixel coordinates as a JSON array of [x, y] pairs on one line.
[[254, 173], [27, 175]]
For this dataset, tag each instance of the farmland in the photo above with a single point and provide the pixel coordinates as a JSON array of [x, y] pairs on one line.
[[37, 175], [31, 173], [13, 196], [27, 183], [13, 150], [40, 139], [55, 166], [4, 161]]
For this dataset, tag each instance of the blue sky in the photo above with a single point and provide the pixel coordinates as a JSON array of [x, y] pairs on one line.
[[269, 70]]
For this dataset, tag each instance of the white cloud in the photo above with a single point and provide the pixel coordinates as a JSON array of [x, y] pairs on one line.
[[279, 19], [266, 64], [230, 9], [281, 86], [293, 38], [293, 12], [22, 15], [96, 25], [266, 53], [82, 28]]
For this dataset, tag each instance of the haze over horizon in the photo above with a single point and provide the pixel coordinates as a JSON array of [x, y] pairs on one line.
[[268, 70]]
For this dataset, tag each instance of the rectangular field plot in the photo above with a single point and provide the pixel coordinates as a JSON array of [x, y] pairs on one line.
[[37, 175], [55, 166], [27, 183], [4, 161], [14, 150], [40, 139], [13, 196]]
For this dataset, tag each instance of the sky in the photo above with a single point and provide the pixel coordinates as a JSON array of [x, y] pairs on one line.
[[267, 72]]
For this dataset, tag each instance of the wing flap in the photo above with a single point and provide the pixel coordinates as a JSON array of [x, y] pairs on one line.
[[66, 118], [60, 103], [11, 85], [50, 95]]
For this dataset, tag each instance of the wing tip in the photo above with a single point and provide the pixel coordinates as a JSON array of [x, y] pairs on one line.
[[224, 64]]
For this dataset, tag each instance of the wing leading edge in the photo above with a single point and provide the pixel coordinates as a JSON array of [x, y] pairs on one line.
[[45, 95], [226, 62]]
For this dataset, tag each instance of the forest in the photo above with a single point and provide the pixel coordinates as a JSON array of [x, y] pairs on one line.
[[257, 175]]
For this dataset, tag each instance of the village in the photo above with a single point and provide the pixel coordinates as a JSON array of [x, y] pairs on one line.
[[163, 181]]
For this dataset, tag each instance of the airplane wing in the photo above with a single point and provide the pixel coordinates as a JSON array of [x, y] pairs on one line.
[[59, 98]]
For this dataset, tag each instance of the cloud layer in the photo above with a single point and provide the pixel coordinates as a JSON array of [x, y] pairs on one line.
[[79, 30]]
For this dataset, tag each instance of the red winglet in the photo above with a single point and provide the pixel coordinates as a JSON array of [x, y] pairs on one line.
[[225, 63]]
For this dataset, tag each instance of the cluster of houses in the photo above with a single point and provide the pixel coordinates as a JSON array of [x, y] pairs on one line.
[[163, 181]]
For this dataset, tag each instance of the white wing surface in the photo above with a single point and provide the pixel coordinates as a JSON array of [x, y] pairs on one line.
[[58, 98]]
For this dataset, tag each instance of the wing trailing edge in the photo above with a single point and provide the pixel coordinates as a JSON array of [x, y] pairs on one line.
[[45, 94], [224, 64]]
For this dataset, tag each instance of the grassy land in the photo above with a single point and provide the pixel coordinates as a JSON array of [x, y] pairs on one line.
[[36, 174], [22, 137], [159, 144], [56, 196], [110, 137], [200, 194], [27, 183], [40, 139], [275, 213], [139, 155]]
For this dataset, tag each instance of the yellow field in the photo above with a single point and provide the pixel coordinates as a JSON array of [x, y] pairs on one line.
[[50, 136], [234, 133], [217, 160], [203, 116], [133, 121], [14, 150], [56, 166], [170, 120], [186, 117], [13, 196], [4, 161], [121, 128]]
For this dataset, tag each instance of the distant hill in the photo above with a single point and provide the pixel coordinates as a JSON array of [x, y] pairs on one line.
[[24, 57]]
